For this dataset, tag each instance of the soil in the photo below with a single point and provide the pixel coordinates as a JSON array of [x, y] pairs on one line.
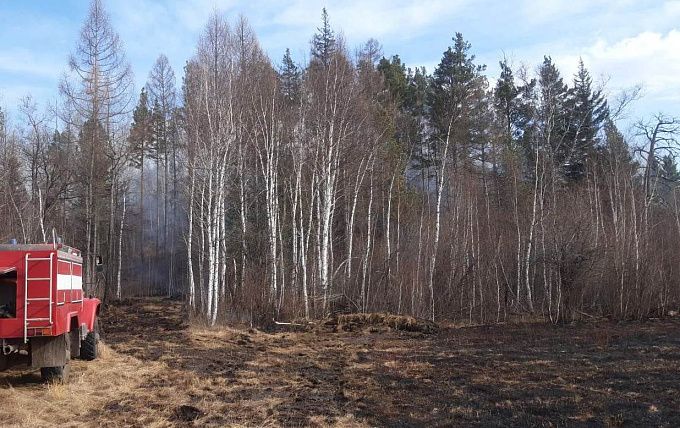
[[158, 371]]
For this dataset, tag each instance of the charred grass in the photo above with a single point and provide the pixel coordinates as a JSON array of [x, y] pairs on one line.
[[156, 371]]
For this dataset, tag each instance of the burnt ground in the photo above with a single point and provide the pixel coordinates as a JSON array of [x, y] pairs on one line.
[[158, 371]]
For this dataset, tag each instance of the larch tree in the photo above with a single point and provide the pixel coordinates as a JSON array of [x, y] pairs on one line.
[[98, 90], [163, 98]]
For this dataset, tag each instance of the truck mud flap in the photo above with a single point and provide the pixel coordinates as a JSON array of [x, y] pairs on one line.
[[50, 351]]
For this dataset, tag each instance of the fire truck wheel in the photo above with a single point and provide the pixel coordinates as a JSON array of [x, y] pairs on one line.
[[89, 348], [55, 374]]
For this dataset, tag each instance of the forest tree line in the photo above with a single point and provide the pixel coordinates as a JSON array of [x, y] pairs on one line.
[[262, 190]]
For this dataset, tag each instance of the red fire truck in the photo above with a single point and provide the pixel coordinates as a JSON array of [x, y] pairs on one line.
[[45, 320]]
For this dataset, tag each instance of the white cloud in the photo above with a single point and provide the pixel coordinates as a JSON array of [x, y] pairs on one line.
[[650, 58], [621, 13]]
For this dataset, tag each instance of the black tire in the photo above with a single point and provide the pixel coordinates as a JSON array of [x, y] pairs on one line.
[[55, 374], [89, 348]]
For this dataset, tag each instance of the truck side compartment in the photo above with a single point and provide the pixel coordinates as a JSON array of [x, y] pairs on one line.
[[8, 293]]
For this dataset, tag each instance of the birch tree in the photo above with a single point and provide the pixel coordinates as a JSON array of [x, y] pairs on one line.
[[211, 133]]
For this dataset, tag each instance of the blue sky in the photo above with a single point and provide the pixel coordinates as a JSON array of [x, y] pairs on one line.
[[622, 42]]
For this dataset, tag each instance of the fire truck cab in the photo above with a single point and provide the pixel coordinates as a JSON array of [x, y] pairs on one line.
[[45, 320]]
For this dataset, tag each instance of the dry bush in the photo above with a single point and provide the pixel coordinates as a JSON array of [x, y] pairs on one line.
[[379, 321]]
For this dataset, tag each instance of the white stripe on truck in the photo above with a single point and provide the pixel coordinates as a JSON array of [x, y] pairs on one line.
[[69, 282]]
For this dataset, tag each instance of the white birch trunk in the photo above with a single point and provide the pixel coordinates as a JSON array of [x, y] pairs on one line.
[[120, 251], [437, 225]]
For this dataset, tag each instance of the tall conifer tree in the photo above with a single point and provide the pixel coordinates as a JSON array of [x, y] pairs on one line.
[[323, 42]]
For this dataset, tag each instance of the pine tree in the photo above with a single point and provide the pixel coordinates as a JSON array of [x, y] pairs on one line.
[[614, 144], [141, 137], [93, 133], [514, 109], [506, 99], [59, 151], [457, 96], [588, 111], [455, 83], [323, 42], [416, 105], [417, 93], [290, 78], [141, 132], [408, 91], [394, 75], [669, 168], [553, 114]]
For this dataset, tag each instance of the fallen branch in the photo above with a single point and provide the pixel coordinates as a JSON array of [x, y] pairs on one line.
[[290, 323], [594, 317]]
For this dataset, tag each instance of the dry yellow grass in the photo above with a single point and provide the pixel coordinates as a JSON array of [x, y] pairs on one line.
[[81, 401], [122, 390]]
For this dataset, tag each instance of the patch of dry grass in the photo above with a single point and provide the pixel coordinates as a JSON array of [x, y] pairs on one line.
[[92, 385]]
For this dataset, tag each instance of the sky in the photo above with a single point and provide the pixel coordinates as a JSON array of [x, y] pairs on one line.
[[622, 42]]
